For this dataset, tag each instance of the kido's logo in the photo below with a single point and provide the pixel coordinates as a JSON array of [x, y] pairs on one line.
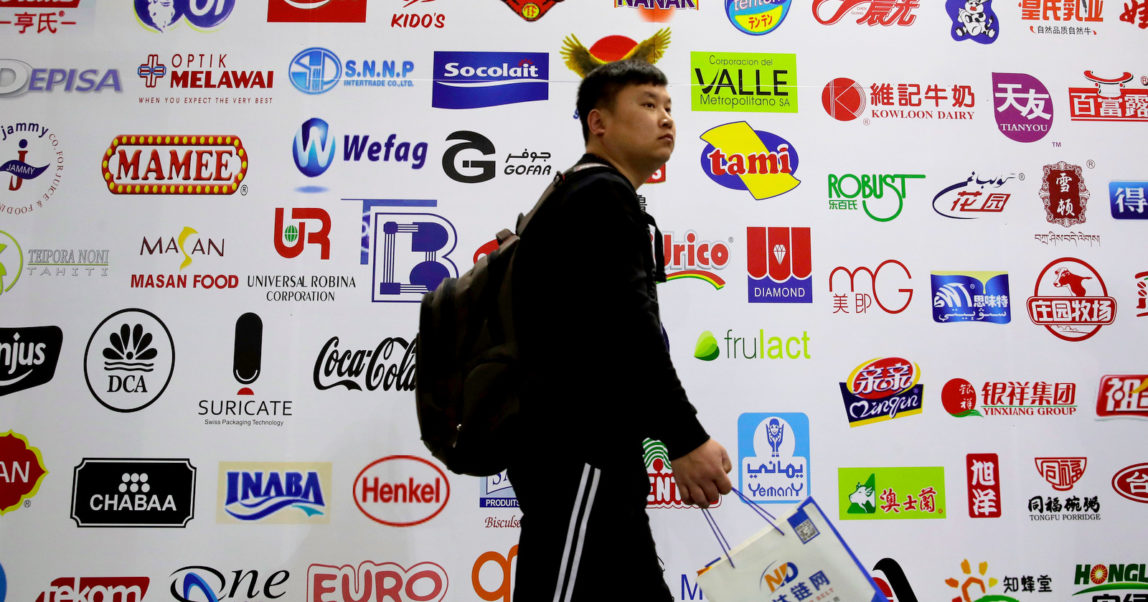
[[401, 491], [741, 158], [161, 15], [756, 17], [780, 265], [469, 80]]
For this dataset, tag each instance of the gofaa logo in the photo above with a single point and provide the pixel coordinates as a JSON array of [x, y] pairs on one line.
[[469, 80], [862, 301], [116, 492], [28, 356], [93, 589], [175, 165], [780, 265], [401, 491], [973, 20], [318, 70], [883, 389], [773, 457], [868, 12], [469, 170], [766, 83], [1081, 313], [21, 472], [316, 11], [27, 158], [1110, 100], [195, 583], [1023, 106], [129, 348], [162, 15], [1128, 199], [423, 582], [971, 297], [741, 158], [20, 77], [973, 197], [891, 493], [274, 492], [1123, 396], [756, 17], [410, 253], [1063, 193], [845, 189]]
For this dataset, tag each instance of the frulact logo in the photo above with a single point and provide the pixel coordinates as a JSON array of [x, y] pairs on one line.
[[162, 15], [470, 80], [971, 297], [423, 582], [1071, 300], [1023, 106], [1123, 396], [756, 17], [740, 158], [759, 347], [773, 457], [274, 492], [21, 472], [973, 197], [973, 20], [780, 265], [882, 389], [401, 491]]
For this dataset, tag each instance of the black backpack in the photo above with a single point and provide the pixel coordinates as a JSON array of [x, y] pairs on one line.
[[467, 379]]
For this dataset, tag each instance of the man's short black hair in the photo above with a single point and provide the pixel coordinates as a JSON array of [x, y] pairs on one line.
[[601, 86]]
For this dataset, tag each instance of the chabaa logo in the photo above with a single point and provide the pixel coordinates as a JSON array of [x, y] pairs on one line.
[[161, 15], [741, 158], [780, 265]]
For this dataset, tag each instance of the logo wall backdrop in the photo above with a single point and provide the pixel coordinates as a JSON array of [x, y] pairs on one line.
[[907, 254]]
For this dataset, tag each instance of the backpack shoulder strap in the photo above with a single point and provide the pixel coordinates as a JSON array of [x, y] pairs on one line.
[[559, 180]]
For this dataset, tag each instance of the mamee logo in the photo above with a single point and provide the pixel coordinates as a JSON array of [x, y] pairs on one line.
[[28, 356], [161, 15], [316, 11], [111, 492], [274, 492], [401, 491], [94, 589], [21, 471], [423, 582], [18, 77], [741, 158], [1071, 300], [1123, 396], [883, 389], [780, 265], [469, 80], [174, 165]]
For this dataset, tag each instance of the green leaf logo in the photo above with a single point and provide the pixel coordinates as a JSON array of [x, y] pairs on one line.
[[706, 349]]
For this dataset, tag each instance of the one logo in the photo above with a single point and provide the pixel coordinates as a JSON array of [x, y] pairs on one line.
[[531, 10], [410, 253], [744, 82], [1061, 473], [247, 355], [1128, 199], [971, 297], [316, 11], [506, 570], [121, 492], [497, 492], [759, 347], [868, 12], [845, 189], [476, 170], [274, 492], [756, 18], [315, 70], [423, 582], [129, 360], [390, 365], [1123, 396], [162, 15], [982, 471], [401, 491], [174, 164], [975, 587], [197, 582], [21, 472], [773, 457], [894, 584], [1023, 106], [469, 80], [313, 147], [31, 166], [94, 589], [1071, 300], [11, 263], [891, 493], [28, 356], [292, 238], [582, 60], [20, 78], [780, 265], [1132, 482], [973, 197], [973, 20], [883, 389], [862, 301], [412, 20], [843, 99], [741, 158], [1010, 398], [1109, 100], [1064, 194]]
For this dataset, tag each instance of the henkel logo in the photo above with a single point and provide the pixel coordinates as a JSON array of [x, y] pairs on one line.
[[198, 582], [129, 360], [1071, 300], [741, 158], [412, 20], [1132, 483], [94, 589], [32, 158], [971, 297], [162, 15], [401, 491], [21, 472], [121, 492], [1023, 106], [862, 301], [28, 356], [1108, 100], [756, 17], [780, 265], [531, 10], [582, 60], [973, 198], [1063, 193], [164, 164], [376, 582], [1123, 396], [410, 253], [292, 238], [20, 77], [470, 80], [1128, 199], [1061, 473], [868, 12], [501, 575], [843, 99], [773, 457], [688, 257], [894, 584], [984, 487], [317, 11], [882, 389], [973, 20], [274, 492]]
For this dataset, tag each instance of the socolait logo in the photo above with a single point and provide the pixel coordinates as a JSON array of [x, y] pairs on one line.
[[274, 492], [983, 485], [1111, 579], [891, 493], [127, 350], [162, 15], [94, 589], [882, 389], [469, 80], [780, 265], [794, 347], [845, 189], [1110, 99], [163, 164], [755, 82], [34, 161], [28, 356], [741, 158], [130, 492], [401, 491], [1064, 194], [531, 10], [423, 582], [971, 297], [1023, 106], [316, 11], [197, 582], [1128, 199], [1132, 482], [773, 457], [11, 263], [756, 17], [976, 587], [369, 368], [691, 258], [1079, 314], [973, 20], [868, 12], [862, 301], [1123, 396], [18, 78], [21, 472], [973, 197]]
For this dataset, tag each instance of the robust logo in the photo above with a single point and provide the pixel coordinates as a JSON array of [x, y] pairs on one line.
[[973, 20], [162, 15], [274, 492], [868, 12], [741, 158], [794, 347], [1071, 300], [1132, 483], [971, 297], [314, 150], [744, 82], [401, 491], [21, 471], [197, 582], [1064, 194], [11, 263], [94, 589], [862, 301], [984, 487], [1128, 200], [31, 156], [1109, 100], [129, 360], [174, 165], [1023, 106], [883, 389], [845, 189], [369, 368], [120, 492], [315, 70], [756, 17], [28, 356], [317, 11], [973, 197], [1123, 396], [1061, 473], [290, 240], [423, 582], [891, 493], [780, 265], [1012, 398], [469, 80], [19, 78], [773, 457]]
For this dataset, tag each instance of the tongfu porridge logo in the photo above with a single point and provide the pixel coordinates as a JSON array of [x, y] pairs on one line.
[[129, 360]]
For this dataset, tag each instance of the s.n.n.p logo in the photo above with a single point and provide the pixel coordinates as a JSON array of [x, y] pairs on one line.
[[741, 158]]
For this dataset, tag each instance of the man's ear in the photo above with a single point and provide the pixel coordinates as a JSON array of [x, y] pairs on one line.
[[596, 122]]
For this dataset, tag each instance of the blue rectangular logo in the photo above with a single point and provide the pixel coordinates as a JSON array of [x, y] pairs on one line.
[[1128, 200], [469, 80], [971, 297]]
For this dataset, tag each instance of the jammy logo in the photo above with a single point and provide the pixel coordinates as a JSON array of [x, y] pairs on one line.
[[274, 492], [976, 587], [971, 297], [973, 20], [28, 356], [531, 10], [983, 485], [470, 80], [582, 60], [1071, 300], [1023, 106], [316, 11], [780, 265], [756, 17], [973, 198], [732, 81], [110, 492], [423, 582], [21, 472], [773, 457], [891, 493], [162, 15], [1128, 200], [93, 589], [129, 360], [174, 165], [1063, 193], [292, 238], [741, 158], [1109, 99], [409, 252], [1123, 396], [868, 12], [31, 166], [11, 263], [883, 389], [862, 301]]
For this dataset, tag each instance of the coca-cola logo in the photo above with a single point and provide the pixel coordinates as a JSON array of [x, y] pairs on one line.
[[390, 365], [1132, 482], [401, 491], [21, 471]]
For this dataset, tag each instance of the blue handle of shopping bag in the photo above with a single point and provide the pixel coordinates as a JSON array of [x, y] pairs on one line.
[[722, 541]]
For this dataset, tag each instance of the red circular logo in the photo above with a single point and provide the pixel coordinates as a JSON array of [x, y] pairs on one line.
[[843, 99], [959, 397]]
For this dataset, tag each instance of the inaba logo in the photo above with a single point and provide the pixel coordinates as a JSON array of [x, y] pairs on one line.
[[161, 15], [741, 158], [274, 492], [469, 80]]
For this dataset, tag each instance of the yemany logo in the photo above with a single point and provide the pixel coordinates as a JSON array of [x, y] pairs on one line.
[[378, 582], [274, 492], [691, 258], [401, 491], [95, 589], [316, 11], [21, 471], [469, 80], [1123, 396], [780, 265], [741, 158], [175, 165]]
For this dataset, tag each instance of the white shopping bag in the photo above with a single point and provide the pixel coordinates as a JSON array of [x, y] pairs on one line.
[[801, 557]]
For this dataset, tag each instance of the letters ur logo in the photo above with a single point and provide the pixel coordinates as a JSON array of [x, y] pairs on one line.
[[1071, 300], [741, 158], [21, 471], [291, 239], [162, 15], [129, 360], [780, 265], [409, 252]]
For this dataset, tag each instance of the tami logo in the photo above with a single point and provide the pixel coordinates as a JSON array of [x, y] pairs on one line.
[[793, 347], [741, 158]]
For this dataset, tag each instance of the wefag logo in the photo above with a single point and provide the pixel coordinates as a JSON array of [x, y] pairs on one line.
[[882, 389], [1123, 396], [1075, 316], [1061, 473], [290, 240], [121, 492], [470, 80], [316, 11], [21, 471], [274, 492], [862, 301], [756, 17], [1109, 100], [94, 589], [765, 83], [161, 15], [401, 491], [387, 581], [1023, 107], [1132, 482], [868, 12], [741, 158], [164, 164], [28, 356], [971, 297], [313, 147], [780, 265], [968, 198]]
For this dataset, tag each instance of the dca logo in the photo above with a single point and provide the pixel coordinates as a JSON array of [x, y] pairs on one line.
[[162, 15], [741, 158], [409, 252], [780, 265], [129, 360]]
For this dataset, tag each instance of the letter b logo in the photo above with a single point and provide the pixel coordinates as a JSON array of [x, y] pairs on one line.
[[410, 255]]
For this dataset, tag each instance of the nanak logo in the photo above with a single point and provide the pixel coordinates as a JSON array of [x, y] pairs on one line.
[[1109, 100], [731, 81], [1131, 482], [274, 492], [121, 492], [780, 265], [1071, 300], [756, 17], [33, 159], [292, 237], [162, 15], [868, 12], [773, 457], [741, 158], [973, 198], [197, 582], [317, 11], [1061, 473], [401, 491], [531, 10], [470, 80], [21, 472], [1023, 106], [174, 164], [1063, 193], [18, 78], [390, 365], [28, 356], [971, 297], [129, 360], [1123, 396], [93, 589], [862, 301], [423, 582], [882, 389]]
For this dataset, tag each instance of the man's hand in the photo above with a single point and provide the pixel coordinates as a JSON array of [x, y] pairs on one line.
[[701, 474]]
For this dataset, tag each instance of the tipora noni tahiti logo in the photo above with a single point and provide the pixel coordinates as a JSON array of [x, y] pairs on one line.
[[741, 158], [762, 347]]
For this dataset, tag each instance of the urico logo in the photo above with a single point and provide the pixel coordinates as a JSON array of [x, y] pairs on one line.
[[756, 17], [1081, 313], [691, 258], [741, 158], [410, 20], [316, 11], [21, 471], [1064, 194], [290, 240], [28, 356], [883, 389], [162, 15], [401, 491], [780, 265], [376, 582], [894, 584], [94, 589], [582, 60], [868, 12], [531, 10], [862, 301], [274, 492], [481, 576], [175, 164], [1132, 482], [1061, 473], [1123, 396]]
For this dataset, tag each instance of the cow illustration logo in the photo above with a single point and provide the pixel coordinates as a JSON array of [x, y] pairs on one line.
[[1071, 300], [973, 20]]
